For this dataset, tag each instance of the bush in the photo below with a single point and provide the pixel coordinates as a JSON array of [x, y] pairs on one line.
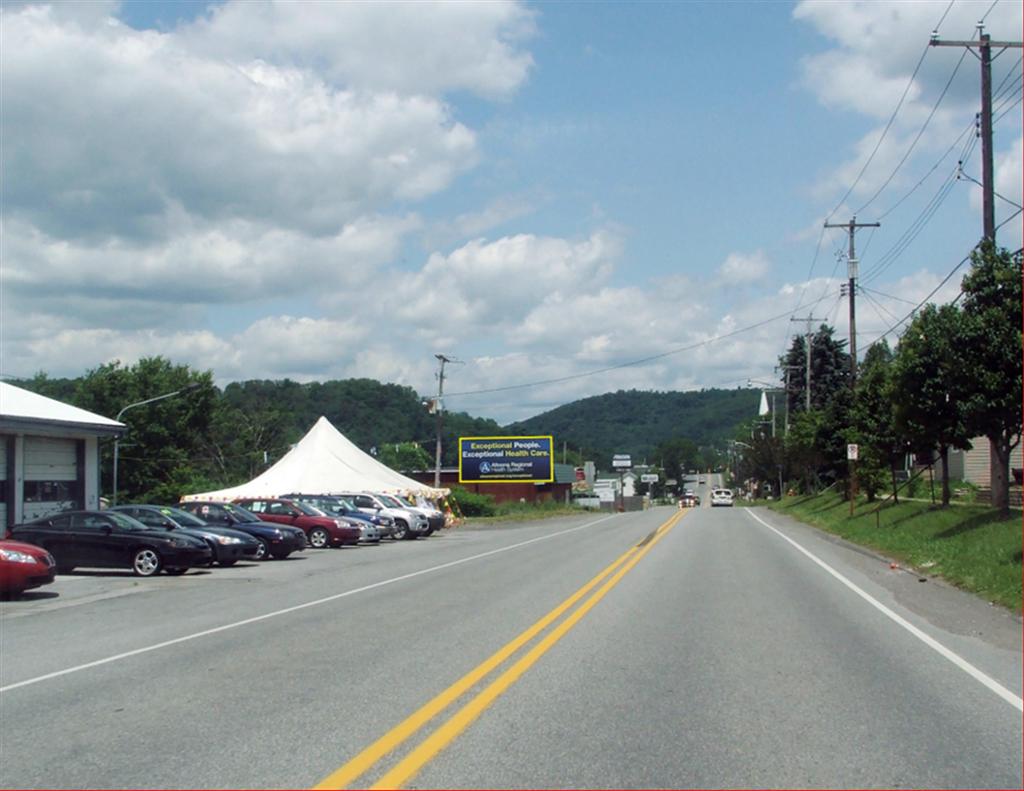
[[472, 503]]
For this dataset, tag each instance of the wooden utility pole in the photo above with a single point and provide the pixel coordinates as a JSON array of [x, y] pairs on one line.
[[851, 274], [984, 46], [438, 417], [807, 376]]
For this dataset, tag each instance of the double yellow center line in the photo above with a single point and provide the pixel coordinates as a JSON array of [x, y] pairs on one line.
[[448, 731]]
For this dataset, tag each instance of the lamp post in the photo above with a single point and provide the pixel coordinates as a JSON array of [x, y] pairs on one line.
[[186, 389], [769, 389]]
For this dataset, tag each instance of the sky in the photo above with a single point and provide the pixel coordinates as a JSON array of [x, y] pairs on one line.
[[566, 199]]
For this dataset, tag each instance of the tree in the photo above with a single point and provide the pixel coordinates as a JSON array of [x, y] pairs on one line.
[[992, 329], [830, 369], [929, 386], [404, 456], [164, 437], [676, 456], [873, 422]]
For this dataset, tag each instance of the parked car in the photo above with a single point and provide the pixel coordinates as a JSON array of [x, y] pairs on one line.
[[24, 566], [408, 524], [332, 505], [228, 546], [435, 519], [721, 497], [278, 541], [108, 539], [321, 530]]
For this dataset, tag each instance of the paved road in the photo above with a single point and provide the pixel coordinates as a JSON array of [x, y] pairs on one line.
[[709, 648]]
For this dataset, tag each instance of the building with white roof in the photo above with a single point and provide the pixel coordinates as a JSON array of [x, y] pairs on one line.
[[49, 455]]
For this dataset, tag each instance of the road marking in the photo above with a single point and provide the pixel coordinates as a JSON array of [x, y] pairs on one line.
[[295, 608], [932, 643], [447, 732]]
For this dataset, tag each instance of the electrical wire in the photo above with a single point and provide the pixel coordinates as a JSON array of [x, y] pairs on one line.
[[629, 363], [934, 291], [994, 3], [917, 138], [967, 130], [1008, 219], [1004, 112], [883, 294], [879, 308], [922, 219]]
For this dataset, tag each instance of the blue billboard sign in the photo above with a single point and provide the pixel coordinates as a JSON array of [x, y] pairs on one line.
[[506, 460]]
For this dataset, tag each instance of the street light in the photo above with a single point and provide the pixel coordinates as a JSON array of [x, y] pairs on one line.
[[186, 389], [770, 389]]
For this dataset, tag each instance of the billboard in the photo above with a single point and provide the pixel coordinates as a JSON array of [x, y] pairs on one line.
[[506, 460]]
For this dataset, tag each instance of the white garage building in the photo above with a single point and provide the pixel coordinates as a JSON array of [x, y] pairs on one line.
[[49, 455]]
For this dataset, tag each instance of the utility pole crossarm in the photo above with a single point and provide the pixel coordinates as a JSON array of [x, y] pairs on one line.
[[975, 43]]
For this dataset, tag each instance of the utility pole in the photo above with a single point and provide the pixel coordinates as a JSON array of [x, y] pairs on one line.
[[807, 376], [851, 274], [984, 46], [438, 417]]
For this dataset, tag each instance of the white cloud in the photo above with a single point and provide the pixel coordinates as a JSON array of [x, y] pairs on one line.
[[406, 47], [744, 268], [877, 47]]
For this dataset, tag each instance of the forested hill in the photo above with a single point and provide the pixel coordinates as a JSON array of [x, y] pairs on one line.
[[634, 421]]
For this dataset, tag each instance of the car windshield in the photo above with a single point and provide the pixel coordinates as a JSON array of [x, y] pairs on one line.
[[125, 522], [182, 518], [388, 500], [243, 514], [310, 510], [404, 500]]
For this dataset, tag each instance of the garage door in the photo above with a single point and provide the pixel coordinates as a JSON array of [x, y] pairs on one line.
[[51, 476]]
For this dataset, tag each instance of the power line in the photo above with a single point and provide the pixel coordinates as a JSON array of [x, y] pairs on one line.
[[630, 363], [920, 132], [887, 296], [945, 280]]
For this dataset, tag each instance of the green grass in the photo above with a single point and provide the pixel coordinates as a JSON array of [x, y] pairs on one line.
[[968, 546], [520, 512]]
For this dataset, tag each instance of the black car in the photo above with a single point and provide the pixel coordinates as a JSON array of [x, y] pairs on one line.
[[111, 540], [229, 546], [277, 541]]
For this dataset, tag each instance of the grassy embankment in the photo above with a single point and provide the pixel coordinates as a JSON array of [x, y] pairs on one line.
[[966, 545]]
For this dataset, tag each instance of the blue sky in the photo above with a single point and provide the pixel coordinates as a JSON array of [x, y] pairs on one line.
[[332, 190]]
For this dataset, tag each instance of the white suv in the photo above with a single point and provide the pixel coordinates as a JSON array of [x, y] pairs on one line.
[[408, 524], [721, 497]]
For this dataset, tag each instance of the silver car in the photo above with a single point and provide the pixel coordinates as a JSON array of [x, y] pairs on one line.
[[408, 524]]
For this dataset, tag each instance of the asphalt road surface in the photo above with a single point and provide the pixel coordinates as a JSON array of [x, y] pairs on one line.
[[725, 647]]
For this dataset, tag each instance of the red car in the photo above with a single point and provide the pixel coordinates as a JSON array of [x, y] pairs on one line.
[[321, 530], [24, 566]]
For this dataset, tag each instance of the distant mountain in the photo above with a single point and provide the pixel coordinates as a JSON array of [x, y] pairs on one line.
[[634, 421]]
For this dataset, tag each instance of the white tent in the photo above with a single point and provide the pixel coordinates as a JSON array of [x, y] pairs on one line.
[[322, 462]]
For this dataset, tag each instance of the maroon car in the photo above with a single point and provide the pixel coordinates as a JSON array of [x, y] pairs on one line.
[[321, 530], [24, 566]]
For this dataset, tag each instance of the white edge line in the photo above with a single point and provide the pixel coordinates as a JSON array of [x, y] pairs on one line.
[[952, 656], [295, 608]]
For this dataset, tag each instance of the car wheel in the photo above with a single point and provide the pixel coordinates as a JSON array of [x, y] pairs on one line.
[[263, 550], [318, 538], [176, 571], [146, 562], [401, 531], [229, 562]]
